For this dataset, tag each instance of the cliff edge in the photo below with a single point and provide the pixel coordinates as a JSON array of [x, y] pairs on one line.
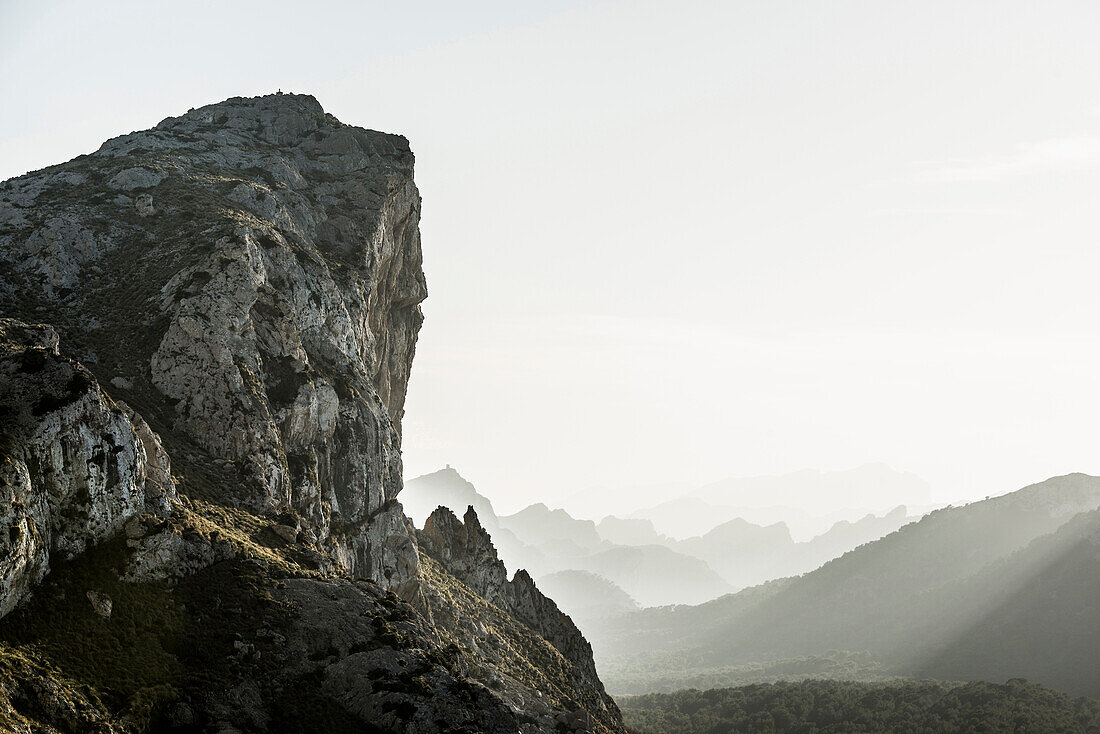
[[207, 336]]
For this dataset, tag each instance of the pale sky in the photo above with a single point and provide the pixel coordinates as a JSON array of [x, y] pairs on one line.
[[670, 243]]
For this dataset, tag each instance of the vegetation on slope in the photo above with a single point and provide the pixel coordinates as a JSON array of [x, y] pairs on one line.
[[466, 623], [161, 644], [820, 707]]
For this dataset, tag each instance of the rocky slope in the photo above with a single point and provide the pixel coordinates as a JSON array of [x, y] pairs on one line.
[[465, 550], [203, 448], [76, 464]]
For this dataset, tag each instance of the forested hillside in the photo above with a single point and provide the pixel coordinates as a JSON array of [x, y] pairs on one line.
[[821, 707]]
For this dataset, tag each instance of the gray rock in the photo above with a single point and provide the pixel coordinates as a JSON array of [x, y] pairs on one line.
[[264, 309], [135, 178], [181, 715], [465, 550], [286, 532], [122, 383], [161, 555], [57, 252], [144, 205], [363, 647], [77, 468], [101, 604], [284, 326]]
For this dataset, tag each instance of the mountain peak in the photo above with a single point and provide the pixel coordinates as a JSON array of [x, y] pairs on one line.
[[249, 274], [233, 308], [447, 472], [303, 105]]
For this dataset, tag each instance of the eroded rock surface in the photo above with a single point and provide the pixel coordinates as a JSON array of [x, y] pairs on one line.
[[252, 270], [74, 464], [465, 549], [199, 478]]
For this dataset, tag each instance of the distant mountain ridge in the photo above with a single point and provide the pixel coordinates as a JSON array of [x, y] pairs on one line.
[[538, 525], [1008, 586], [630, 531], [445, 487], [586, 594], [553, 541], [745, 554], [650, 568], [875, 486], [808, 502]]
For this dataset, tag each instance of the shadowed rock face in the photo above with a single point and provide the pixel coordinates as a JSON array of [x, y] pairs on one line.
[[250, 272], [74, 465]]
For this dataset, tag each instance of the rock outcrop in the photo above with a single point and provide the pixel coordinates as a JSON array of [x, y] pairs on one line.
[[74, 464], [465, 550], [200, 455], [251, 273]]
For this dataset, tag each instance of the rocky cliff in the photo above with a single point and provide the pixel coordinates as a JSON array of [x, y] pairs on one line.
[[76, 464], [249, 275], [465, 550], [202, 449]]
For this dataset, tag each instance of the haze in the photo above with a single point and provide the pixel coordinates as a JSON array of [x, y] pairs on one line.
[[671, 244]]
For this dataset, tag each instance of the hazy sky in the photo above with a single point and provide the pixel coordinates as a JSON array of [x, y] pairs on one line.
[[677, 242]]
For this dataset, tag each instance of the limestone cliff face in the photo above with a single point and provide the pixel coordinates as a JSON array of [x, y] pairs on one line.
[[249, 274], [74, 464], [200, 456]]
